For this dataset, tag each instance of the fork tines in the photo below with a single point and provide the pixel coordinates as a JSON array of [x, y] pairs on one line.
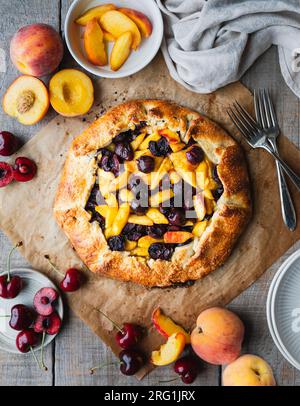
[[243, 121], [264, 109]]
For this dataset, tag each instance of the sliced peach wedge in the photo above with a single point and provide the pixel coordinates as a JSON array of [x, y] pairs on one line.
[[121, 50], [166, 326], [118, 23], [142, 21], [26, 99], [71, 92], [170, 351], [95, 12], [94, 43]]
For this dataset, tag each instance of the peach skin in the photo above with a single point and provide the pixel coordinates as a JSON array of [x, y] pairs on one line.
[[170, 351], [248, 370], [95, 12], [142, 21], [166, 326], [218, 336], [94, 43], [36, 49]]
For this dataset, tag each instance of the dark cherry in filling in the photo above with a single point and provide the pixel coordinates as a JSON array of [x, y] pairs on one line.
[[160, 147], [124, 151], [176, 216], [145, 164], [195, 155], [157, 230], [116, 243], [161, 251]]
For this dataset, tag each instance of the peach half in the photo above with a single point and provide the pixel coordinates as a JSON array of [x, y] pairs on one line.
[[170, 351], [118, 23], [248, 370], [218, 336], [27, 100], [71, 92], [94, 43], [166, 326], [36, 49], [142, 21]]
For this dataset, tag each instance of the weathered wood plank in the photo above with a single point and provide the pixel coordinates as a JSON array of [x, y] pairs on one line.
[[252, 303], [18, 369]]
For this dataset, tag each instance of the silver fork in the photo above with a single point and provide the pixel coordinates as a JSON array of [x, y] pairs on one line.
[[266, 117], [257, 138]]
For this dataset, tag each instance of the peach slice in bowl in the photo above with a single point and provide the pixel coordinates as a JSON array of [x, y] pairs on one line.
[[142, 18]]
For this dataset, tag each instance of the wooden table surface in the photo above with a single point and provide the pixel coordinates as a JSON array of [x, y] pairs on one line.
[[76, 348]]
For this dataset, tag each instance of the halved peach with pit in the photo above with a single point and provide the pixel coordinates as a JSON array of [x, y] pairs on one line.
[[71, 92], [121, 50], [95, 12], [26, 99], [118, 23], [141, 20], [94, 43]]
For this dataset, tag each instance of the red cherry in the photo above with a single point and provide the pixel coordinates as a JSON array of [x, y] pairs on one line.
[[10, 286], [6, 174], [129, 335], [8, 143], [11, 289], [187, 367], [21, 317], [44, 301], [189, 377], [26, 339], [131, 362], [47, 324], [24, 169], [72, 280]]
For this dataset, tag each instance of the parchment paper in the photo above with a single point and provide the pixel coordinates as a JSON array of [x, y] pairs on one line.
[[26, 214]]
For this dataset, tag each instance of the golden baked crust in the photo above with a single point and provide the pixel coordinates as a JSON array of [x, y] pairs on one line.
[[189, 262]]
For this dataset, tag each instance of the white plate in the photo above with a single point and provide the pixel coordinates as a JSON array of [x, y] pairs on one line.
[[283, 309], [32, 282], [137, 59]]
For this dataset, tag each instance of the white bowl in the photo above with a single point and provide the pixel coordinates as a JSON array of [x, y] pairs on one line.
[[283, 309], [32, 282], [137, 59]]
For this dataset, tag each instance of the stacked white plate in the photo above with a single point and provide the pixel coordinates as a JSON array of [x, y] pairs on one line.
[[283, 309]]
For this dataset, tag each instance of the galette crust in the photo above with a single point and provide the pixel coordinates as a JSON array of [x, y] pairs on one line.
[[189, 262]]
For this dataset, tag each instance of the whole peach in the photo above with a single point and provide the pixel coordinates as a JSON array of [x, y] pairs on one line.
[[218, 336], [36, 49], [248, 370]]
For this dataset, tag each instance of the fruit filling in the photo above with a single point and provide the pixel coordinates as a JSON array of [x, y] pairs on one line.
[[153, 192]]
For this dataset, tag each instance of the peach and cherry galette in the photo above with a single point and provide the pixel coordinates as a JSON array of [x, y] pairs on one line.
[[153, 193]]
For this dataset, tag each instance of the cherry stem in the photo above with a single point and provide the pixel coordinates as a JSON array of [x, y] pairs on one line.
[[4, 315], [170, 380], [53, 265], [42, 353], [113, 322], [19, 244], [34, 356], [92, 370]]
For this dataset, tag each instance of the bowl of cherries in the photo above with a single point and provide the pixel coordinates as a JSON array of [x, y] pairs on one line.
[[31, 311]]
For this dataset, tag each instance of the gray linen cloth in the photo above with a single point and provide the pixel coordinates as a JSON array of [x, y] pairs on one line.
[[209, 44]]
